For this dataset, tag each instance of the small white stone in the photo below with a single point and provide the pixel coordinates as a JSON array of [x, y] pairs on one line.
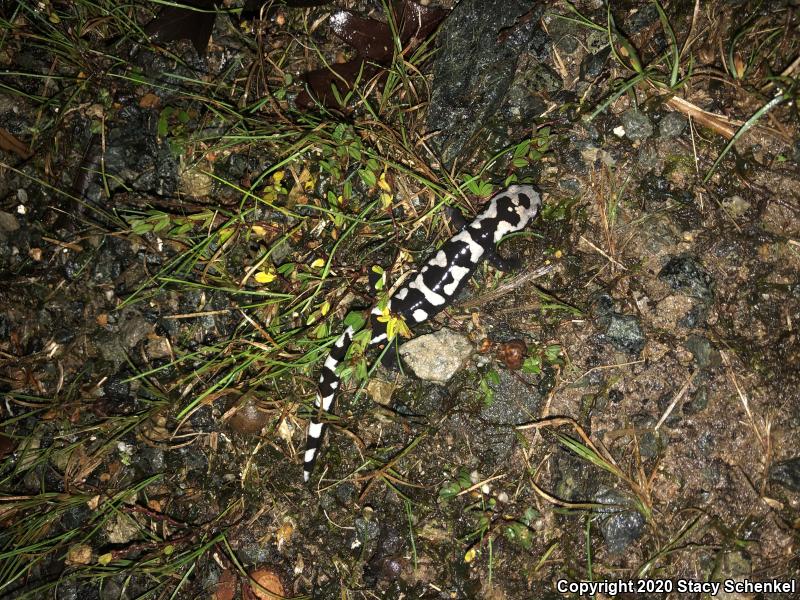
[[619, 131]]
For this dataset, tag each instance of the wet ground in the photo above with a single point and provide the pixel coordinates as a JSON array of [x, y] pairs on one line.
[[181, 238]]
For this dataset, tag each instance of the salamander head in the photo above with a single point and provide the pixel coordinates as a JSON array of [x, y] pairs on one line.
[[515, 208]]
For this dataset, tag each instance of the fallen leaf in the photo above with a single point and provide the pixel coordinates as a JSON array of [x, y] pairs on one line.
[[373, 41], [149, 100], [184, 23], [9, 143]]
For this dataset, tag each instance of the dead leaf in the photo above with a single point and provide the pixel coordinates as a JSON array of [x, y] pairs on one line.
[[373, 41], [185, 23], [149, 100], [9, 143]]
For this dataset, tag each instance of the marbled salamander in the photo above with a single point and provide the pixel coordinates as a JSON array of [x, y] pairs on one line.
[[433, 288]]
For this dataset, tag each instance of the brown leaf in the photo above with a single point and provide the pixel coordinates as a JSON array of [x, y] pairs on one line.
[[371, 39], [149, 100], [11, 144], [417, 22], [184, 23], [343, 76]]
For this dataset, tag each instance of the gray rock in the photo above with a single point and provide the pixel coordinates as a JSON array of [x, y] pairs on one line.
[[438, 356], [685, 273], [698, 401], [672, 125], [593, 65], [467, 93], [787, 474], [637, 124], [625, 333], [623, 526], [705, 355], [8, 222]]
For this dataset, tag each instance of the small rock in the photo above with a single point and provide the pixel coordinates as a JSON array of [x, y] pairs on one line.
[[703, 352], [593, 65], [438, 356], [685, 273], [623, 526], [625, 333], [672, 125], [637, 124], [736, 206], [8, 222], [787, 474]]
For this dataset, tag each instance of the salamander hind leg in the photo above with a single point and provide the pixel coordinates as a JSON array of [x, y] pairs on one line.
[[506, 265]]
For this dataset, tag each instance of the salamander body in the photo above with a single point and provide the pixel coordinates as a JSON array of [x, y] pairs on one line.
[[433, 288]]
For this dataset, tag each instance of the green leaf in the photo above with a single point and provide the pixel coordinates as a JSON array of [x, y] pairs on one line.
[[355, 319], [368, 177], [520, 162]]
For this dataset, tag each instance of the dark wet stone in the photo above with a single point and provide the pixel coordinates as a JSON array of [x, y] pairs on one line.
[[625, 333], [570, 185], [638, 125], [652, 443], [641, 19], [623, 526], [116, 389], [648, 158], [787, 474], [697, 402], [368, 531], [593, 65], [672, 125], [467, 93], [685, 273]]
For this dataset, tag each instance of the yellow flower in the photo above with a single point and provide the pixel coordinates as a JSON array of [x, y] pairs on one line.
[[277, 177], [318, 263], [395, 324], [265, 277]]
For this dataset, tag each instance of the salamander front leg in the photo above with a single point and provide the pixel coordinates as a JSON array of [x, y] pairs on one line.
[[457, 219], [506, 265]]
